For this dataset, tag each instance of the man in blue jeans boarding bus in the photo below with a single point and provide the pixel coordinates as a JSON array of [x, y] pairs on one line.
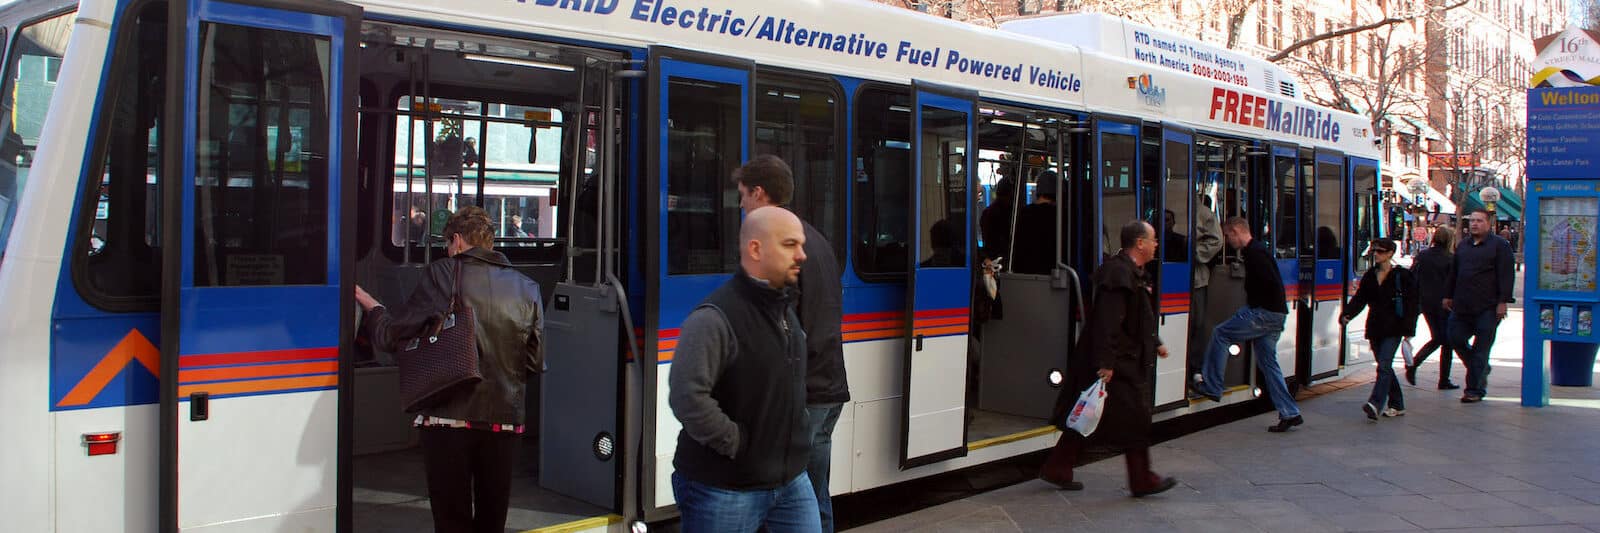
[[1259, 322]]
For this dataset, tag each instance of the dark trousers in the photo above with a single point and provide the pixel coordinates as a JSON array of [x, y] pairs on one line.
[[822, 419], [1386, 389], [469, 478], [1064, 456], [1480, 329], [1439, 333]]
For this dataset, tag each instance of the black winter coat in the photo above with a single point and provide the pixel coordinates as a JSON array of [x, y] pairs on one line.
[[1432, 269], [510, 319], [1120, 334], [1392, 305]]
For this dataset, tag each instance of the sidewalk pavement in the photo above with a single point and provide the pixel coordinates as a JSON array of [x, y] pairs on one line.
[[1445, 465]]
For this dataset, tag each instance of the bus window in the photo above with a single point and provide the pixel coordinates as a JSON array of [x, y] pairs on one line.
[[799, 121], [513, 151], [1364, 177], [117, 262], [1328, 193], [1175, 220], [1285, 227], [1117, 188], [944, 186], [1309, 199], [1000, 136], [261, 167], [30, 75], [703, 144], [882, 175]]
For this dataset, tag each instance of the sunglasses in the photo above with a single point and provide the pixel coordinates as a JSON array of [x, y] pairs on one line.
[[1382, 251]]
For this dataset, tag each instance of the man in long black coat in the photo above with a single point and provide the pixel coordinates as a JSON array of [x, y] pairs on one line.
[[1120, 339]]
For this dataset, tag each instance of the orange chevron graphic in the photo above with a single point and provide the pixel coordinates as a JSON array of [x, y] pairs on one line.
[[133, 347]]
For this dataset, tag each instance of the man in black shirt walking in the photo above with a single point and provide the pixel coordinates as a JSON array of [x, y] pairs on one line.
[[1476, 294], [1259, 322]]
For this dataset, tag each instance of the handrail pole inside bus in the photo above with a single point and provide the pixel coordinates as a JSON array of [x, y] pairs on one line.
[[411, 161], [427, 158], [608, 126], [578, 153]]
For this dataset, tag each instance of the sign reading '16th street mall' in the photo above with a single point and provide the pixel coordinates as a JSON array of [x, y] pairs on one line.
[[1563, 132]]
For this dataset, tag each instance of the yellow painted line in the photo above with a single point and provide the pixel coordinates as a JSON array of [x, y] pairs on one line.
[[579, 525], [1225, 392], [1014, 437]]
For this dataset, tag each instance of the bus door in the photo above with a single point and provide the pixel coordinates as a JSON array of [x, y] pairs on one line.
[[1177, 234], [1330, 270], [1362, 228], [939, 298], [699, 133], [1282, 189], [256, 294]]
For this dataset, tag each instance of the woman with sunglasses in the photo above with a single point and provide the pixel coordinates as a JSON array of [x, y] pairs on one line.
[[1390, 292]]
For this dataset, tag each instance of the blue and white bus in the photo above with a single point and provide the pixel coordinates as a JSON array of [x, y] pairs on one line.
[[190, 188]]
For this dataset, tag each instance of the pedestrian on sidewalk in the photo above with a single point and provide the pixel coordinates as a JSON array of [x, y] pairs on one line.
[[1432, 269], [1121, 333], [738, 386], [1389, 292], [767, 181], [1479, 290], [1259, 322]]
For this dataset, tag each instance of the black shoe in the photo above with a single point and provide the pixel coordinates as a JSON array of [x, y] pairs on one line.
[[1411, 375], [1063, 485], [1370, 410], [1447, 385], [1471, 399], [1166, 484], [1195, 392], [1284, 424]]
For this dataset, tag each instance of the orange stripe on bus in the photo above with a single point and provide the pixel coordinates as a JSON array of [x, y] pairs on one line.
[[133, 347], [261, 371], [879, 324], [260, 385], [947, 330], [874, 335], [931, 322]]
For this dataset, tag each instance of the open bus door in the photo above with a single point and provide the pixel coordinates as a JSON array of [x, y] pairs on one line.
[[1328, 276], [254, 310], [939, 297], [1361, 228], [700, 114], [1175, 253], [1281, 188]]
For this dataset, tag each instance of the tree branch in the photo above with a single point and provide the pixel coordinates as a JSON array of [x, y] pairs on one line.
[[1353, 29]]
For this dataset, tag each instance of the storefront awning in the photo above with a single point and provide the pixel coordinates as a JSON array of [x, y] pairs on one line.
[[1508, 208], [1431, 199]]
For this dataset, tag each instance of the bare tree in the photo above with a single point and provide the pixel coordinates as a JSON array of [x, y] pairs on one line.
[[1388, 91], [1589, 14], [1385, 21], [1236, 11], [1469, 116]]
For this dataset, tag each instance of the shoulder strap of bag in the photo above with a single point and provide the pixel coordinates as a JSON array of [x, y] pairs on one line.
[[455, 293]]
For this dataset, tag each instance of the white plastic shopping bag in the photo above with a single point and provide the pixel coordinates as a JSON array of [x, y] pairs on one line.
[[1085, 414], [1406, 351]]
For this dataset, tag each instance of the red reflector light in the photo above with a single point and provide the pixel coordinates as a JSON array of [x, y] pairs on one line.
[[102, 443]]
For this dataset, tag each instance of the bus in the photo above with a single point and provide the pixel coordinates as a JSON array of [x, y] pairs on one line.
[[190, 190]]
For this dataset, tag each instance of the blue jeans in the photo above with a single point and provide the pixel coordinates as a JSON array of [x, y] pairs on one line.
[[1386, 390], [1479, 327], [1262, 329], [791, 508], [822, 418]]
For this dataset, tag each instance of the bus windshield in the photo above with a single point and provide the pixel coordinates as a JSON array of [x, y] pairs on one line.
[[30, 80]]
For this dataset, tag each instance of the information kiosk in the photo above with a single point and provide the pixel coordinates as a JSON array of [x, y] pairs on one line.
[[1559, 244]]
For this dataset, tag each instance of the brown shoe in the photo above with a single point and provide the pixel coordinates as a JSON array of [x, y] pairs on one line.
[[1164, 485]]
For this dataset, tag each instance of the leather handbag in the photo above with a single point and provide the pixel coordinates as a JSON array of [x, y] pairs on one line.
[[444, 363]]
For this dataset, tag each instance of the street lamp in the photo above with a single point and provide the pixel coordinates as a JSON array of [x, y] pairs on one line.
[[1490, 196]]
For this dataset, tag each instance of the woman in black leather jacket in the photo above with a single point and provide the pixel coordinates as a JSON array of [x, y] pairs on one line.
[[469, 440], [1389, 293]]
